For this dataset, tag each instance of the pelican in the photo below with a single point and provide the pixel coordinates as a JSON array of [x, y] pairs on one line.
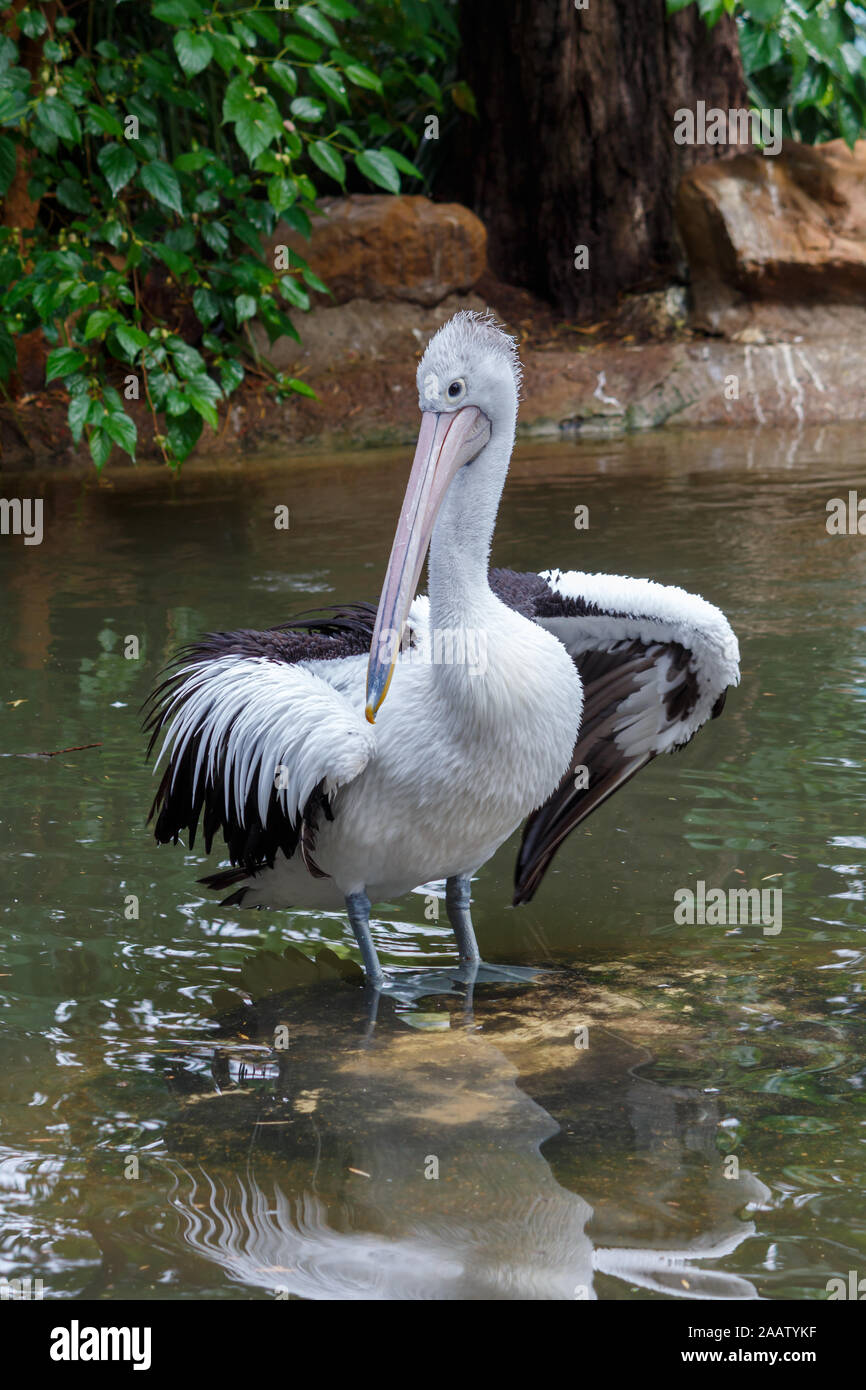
[[348, 757]]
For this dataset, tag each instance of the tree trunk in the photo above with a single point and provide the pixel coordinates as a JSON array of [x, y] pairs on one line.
[[574, 144]]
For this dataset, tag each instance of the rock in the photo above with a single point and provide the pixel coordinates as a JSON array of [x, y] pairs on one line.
[[376, 247], [652, 316], [612, 389], [778, 242], [361, 332], [600, 390]]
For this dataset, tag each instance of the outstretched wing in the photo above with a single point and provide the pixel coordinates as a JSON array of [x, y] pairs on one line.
[[655, 663], [256, 736]]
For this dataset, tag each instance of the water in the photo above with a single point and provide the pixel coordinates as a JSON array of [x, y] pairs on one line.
[[669, 1111]]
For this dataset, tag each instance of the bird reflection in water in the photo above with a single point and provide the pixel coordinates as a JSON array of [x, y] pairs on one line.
[[315, 1157]]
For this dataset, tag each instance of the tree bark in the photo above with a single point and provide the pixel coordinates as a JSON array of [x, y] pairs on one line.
[[574, 144]]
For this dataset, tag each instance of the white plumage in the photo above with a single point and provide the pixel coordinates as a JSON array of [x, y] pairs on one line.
[[505, 683], [642, 610], [274, 728]]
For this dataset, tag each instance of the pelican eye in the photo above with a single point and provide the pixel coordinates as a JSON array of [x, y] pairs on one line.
[[456, 389]]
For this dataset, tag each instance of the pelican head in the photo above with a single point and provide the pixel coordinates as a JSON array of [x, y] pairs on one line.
[[468, 386]]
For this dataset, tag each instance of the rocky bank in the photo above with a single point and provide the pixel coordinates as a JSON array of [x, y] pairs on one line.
[[766, 330]]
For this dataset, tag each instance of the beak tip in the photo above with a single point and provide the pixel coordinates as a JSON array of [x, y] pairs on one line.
[[370, 714]]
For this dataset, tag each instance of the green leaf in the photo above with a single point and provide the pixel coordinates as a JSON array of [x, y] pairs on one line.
[[281, 193], [307, 109], [97, 323], [8, 354], [76, 415], [215, 235], [178, 11], [267, 163], [206, 305], [58, 117], [207, 201], [231, 375], [312, 279], [13, 107], [71, 194], [192, 161], [194, 51], [238, 96], [177, 261], [63, 362], [100, 448], [349, 134], [339, 9], [851, 120], [32, 23], [331, 82], [294, 292], [131, 339], [264, 26], [400, 162], [82, 295], [284, 75], [363, 77], [161, 182], [297, 218], [378, 168], [315, 23], [183, 434], [302, 48], [301, 387], [119, 427], [187, 360], [225, 48], [329, 160], [103, 121], [257, 127], [246, 35], [8, 162], [245, 307], [203, 393], [765, 11], [118, 164], [464, 98]]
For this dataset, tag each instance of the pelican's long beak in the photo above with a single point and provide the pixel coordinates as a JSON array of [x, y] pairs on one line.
[[445, 443]]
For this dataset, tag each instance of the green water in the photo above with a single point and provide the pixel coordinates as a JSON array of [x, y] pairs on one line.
[[668, 1111]]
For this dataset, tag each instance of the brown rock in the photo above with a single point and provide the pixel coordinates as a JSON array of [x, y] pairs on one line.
[[361, 331], [768, 238], [371, 246]]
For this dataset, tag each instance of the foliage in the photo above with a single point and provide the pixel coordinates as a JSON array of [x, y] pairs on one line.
[[157, 144], [805, 57]]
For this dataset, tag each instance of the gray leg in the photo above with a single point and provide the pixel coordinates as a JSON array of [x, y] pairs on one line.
[[358, 910], [457, 903]]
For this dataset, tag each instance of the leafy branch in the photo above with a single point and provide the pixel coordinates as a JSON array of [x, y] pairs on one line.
[[162, 143]]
